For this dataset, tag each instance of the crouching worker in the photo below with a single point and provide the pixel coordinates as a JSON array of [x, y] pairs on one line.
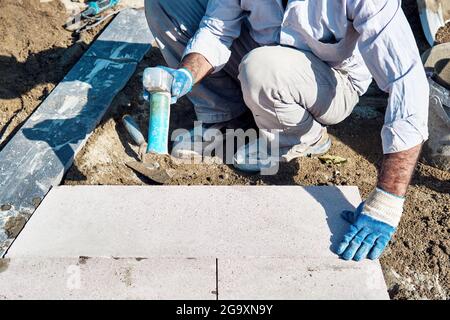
[[299, 66]]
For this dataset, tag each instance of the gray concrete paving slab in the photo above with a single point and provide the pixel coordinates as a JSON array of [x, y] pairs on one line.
[[187, 221], [271, 242], [107, 278], [300, 278]]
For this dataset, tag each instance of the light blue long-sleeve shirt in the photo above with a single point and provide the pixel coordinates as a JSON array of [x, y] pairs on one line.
[[364, 38]]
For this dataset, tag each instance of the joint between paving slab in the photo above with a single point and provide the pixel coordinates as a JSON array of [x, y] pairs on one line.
[[217, 279]]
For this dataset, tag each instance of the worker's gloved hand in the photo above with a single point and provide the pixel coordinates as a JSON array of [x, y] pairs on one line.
[[182, 84], [372, 226]]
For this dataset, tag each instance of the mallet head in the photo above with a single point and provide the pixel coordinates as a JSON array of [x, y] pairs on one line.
[[157, 80]]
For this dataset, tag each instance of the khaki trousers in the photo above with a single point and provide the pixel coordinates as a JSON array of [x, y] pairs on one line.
[[290, 92]]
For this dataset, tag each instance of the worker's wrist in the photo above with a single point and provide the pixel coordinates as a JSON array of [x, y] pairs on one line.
[[384, 206]]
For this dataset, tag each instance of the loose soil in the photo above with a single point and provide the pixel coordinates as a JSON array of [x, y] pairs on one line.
[[416, 264], [443, 34], [35, 54]]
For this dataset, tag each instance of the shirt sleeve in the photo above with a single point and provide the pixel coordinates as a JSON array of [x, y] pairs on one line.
[[390, 52], [218, 28]]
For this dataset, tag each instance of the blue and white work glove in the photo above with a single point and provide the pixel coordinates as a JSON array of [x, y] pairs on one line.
[[182, 84], [372, 226]]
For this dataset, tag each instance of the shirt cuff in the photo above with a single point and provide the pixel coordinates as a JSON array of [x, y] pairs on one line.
[[404, 134], [209, 46]]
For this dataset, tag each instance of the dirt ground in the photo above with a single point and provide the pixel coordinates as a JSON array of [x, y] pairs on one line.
[[35, 54], [443, 34], [416, 264], [25, 53]]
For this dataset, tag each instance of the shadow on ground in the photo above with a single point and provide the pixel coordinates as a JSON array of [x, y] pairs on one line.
[[17, 79]]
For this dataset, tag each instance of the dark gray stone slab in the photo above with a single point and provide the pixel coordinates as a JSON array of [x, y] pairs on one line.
[[131, 46], [37, 157]]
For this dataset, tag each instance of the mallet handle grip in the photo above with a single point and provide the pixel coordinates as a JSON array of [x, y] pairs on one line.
[[158, 128]]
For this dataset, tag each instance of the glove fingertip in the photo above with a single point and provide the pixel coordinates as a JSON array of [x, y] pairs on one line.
[[376, 252], [374, 255], [176, 88], [359, 257], [347, 255], [342, 247]]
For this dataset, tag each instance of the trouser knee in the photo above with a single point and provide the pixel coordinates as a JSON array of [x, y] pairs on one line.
[[267, 82]]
